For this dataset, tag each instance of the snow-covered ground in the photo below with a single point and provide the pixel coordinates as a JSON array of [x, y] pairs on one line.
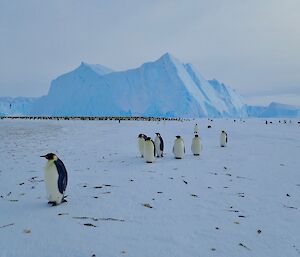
[[242, 200]]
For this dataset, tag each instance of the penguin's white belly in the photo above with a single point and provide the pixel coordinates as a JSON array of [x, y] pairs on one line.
[[149, 151], [196, 146], [51, 182], [141, 142], [223, 140], [178, 149], [157, 147]]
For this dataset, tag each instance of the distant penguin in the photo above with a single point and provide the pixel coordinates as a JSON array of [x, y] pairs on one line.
[[196, 145], [178, 148], [159, 145], [149, 150], [141, 142], [223, 139], [196, 129], [56, 179]]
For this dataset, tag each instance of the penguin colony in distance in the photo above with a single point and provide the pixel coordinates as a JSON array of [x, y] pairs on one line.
[[223, 139], [141, 142], [179, 148], [56, 179], [159, 145], [149, 150]]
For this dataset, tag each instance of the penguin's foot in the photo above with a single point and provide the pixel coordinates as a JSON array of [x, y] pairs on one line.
[[148, 162], [162, 155], [52, 203], [64, 200], [196, 154], [178, 158]]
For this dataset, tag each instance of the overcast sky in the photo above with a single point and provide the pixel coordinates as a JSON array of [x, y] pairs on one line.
[[251, 45]]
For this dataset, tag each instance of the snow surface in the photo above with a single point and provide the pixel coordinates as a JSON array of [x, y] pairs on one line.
[[242, 200]]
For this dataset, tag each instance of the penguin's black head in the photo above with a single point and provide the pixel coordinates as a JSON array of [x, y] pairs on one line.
[[49, 156], [142, 136], [196, 135], [157, 134], [178, 136], [148, 138]]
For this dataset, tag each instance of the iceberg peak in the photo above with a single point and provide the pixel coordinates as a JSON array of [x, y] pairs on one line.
[[97, 68]]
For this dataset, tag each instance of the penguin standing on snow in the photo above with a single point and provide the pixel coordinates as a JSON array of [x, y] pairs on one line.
[[196, 145], [196, 129], [56, 179], [141, 142], [178, 148], [223, 139], [159, 145], [149, 150]]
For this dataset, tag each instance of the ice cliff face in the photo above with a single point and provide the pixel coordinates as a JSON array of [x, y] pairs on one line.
[[274, 110], [165, 87], [16, 106]]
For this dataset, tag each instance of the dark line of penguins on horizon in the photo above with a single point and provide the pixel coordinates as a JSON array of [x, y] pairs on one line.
[[118, 118], [123, 118]]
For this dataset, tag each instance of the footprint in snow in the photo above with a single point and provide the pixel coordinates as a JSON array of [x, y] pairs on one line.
[[63, 214], [241, 244], [89, 225], [147, 205]]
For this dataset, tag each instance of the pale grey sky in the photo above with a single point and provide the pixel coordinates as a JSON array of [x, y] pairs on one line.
[[251, 45]]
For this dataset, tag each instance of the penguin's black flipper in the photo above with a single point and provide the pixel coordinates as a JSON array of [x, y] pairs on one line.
[[62, 176], [161, 144], [154, 147]]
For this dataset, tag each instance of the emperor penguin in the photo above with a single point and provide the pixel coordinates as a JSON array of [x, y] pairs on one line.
[[159, 145], [149, 150], [141, 142], [196, 129], [56, 179], [196, 145], [223, 139], [178, 148]]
